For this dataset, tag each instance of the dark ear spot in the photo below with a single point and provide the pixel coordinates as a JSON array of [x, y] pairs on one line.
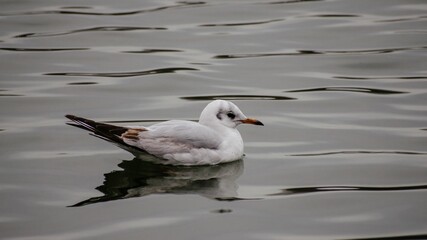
[[219, 116]]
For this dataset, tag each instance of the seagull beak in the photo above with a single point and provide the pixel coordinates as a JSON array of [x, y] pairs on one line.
[[252, 121]]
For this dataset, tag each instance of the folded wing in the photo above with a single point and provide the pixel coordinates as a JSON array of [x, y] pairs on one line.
[[171, 137]]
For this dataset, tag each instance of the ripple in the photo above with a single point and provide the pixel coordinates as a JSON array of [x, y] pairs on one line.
[[380, 78], [400, 237], [293, 1], [123, 74], [65, 10], [240, 23], [308, 190], [357, 152], [82, 83], [350, 89], [8, 94], [404, 19], [76, 7], [236, 97], [332, 15], [146, 51], [319, 52], [254, 55], [93, 29], [43, 49], [222, 210]]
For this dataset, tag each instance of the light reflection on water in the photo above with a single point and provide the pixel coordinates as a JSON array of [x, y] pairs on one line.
[[340, 86]]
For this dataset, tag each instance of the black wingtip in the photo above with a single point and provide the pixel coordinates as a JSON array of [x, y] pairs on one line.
[[71, 117]]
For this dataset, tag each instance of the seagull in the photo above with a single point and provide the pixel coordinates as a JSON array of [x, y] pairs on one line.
[[212, 140]]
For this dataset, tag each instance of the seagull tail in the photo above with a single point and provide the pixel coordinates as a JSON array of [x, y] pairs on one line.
[[107, 132]]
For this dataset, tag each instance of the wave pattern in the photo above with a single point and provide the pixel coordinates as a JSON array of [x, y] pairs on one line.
[[380, 77], [339, 84], [122, 74], [320, 189], [400, 237], [93, 29], [350, 89], [294, 1], [42, 49], [357, 152], [236, 97], [147, 51], [239, 24], [67, 11], [319, 52]]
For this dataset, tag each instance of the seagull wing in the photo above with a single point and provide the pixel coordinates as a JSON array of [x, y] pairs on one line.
[[171, 137]]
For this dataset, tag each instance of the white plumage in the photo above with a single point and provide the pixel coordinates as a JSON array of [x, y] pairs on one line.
[[214, 139]]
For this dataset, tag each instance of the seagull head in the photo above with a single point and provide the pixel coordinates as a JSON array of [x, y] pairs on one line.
[[225, 113]]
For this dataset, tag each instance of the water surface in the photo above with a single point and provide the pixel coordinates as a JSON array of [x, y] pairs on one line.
[[340, 86]]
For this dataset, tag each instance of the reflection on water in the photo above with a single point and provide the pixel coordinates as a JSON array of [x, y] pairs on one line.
[[140, 178]]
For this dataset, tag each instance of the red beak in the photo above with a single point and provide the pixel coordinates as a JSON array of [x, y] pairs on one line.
[[252, 121]]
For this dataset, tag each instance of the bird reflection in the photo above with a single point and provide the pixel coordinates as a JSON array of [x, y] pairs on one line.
[[140, 178]]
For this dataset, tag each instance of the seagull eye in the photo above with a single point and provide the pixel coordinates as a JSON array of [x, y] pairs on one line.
[[231, 115]]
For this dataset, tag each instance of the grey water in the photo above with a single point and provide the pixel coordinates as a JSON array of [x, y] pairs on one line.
[[340, 86]]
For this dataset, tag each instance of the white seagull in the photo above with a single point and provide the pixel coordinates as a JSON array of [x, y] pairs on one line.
[[214, 139]]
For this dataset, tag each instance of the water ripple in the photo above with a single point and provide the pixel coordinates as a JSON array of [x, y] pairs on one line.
[[41, 49], [8, 94], [254, 55], [66, 10], [147, 51], [293, 1], [357, 152], [380, 78], [319, 52], [236, 97], [92, 29], [240, 23], [82, 83], [315, 189], [332, 15], [123, 74], [400, 237], [350, 89], [404, 19]]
